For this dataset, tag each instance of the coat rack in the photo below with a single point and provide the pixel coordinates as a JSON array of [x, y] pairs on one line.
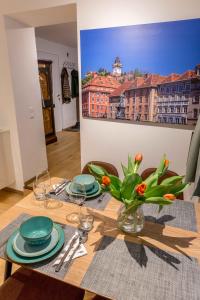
[[69, 65]]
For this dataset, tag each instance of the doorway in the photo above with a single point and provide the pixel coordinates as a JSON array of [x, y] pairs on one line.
[[55, 47], [45, 78]]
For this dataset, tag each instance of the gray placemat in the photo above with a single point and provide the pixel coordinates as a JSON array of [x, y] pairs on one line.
[[46, 266], [138, 272], [100, 202], [180, 214]]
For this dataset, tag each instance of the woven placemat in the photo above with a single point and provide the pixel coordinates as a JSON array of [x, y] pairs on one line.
[[138, 272], [46, 266], [100, 202], [180, 214]]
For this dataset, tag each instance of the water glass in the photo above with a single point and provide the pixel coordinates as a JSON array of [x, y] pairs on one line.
[[39, 191], [44, 179], [86, 221]]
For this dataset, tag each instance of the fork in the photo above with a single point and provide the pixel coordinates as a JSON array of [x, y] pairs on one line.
[[101, 197], [82, 238]]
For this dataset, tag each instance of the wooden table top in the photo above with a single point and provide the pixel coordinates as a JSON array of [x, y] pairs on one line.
[[164, 237]]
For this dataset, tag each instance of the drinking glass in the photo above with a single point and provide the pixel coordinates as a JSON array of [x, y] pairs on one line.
[[44, 179], [86, 221], [78, 199], [39, 191]]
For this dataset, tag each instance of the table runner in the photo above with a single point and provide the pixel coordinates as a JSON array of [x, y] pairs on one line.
[[180, 214], [46, 266], [100, 202], [138, 272]]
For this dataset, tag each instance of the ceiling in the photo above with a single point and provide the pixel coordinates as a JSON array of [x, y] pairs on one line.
[[47, 16], [65, 34]]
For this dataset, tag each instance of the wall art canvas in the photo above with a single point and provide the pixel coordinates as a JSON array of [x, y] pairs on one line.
[[142, 73]]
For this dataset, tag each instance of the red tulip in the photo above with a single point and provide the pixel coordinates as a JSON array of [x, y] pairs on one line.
[[141, 188], [169, 196], [106, 180], [138, 157]]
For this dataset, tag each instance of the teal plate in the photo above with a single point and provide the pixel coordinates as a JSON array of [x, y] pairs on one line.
[[69, 192], [90, 192], [22, 248], [30, 260]]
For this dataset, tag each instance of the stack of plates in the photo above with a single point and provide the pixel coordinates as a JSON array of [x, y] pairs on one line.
[[20, 251], [92, 187]]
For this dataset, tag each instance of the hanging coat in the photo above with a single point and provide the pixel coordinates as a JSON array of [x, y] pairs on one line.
[[74, 84], [65, 88]]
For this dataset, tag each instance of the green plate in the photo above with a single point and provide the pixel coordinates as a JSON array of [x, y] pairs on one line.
[[30, 260], [69, 192], [88, 193], [22, 248]]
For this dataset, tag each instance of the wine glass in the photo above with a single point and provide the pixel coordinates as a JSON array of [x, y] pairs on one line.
[[77, 198]]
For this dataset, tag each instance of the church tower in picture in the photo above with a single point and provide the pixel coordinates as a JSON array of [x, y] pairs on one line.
[[117, 67]]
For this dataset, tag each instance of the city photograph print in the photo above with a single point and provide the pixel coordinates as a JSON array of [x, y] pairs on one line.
[[142, 73]]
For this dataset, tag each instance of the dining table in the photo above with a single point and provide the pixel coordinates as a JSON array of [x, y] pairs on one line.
[[160, 262]]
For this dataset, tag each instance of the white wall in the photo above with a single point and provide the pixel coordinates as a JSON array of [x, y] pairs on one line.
[[95, 134], [6, 162], [101, 140], [7, 112], [27, 98], [65, 114]]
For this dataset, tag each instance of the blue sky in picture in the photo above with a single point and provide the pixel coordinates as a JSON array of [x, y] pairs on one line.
[[162, 48]]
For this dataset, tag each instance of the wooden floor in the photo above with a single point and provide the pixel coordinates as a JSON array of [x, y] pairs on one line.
[[64, 155]]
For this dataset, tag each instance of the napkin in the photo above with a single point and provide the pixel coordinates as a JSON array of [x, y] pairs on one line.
[[81, 251]]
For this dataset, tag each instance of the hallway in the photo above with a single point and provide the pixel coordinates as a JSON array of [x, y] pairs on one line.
[[64, 155]]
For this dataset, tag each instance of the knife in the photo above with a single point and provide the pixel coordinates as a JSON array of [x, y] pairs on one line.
[[58, 267], [72, 255]]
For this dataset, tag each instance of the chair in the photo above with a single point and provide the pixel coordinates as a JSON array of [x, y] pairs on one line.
[[26, 284], [168, 174], [107, 166]]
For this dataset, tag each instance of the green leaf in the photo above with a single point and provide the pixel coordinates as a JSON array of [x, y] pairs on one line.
[[115, 181], [161, 168], [158, 200], [156, 191], [125, 170], [177, 189], [130, 164], [97, 170], [132, 205], [115, 193], [151, 181], [172, 180], [128, 185]]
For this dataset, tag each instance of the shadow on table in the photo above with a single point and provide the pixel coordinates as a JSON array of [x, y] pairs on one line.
[[154, 231]]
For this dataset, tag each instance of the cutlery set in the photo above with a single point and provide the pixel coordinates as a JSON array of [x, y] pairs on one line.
[[59, 188], [81, 237]]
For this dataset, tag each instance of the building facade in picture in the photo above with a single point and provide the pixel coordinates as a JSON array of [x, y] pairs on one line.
[[178, 98], [126, 76]]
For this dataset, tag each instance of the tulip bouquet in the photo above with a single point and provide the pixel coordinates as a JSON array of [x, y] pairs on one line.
[[133, 191]]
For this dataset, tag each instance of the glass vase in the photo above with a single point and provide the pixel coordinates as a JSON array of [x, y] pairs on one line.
[[131, 221]]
